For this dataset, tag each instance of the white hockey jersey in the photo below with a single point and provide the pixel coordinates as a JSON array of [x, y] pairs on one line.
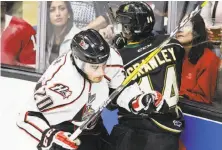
[[62, 94]]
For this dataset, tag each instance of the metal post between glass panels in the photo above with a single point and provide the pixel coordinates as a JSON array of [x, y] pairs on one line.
[[41, 37], [172, 16]]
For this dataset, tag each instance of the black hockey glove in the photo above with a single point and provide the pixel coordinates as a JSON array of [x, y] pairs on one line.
[[53, 139], [149, 103], [119, 41]]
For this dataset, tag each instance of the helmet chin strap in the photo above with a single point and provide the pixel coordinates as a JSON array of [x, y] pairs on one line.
[[79, 66]]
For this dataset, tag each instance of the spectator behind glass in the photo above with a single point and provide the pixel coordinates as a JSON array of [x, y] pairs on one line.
[[102, 22], [200, 66], [213, 10], [17, 40], [60, 29], [87, 11]]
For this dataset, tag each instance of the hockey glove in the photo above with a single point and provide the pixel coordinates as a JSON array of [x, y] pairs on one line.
[[119, 41], [53, 139], [149, 103]]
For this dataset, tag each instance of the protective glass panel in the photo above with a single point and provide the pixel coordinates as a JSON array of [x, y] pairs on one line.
[[201, 37], [18, 34]]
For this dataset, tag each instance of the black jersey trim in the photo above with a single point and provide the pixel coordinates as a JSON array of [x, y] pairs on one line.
[[32, 124]]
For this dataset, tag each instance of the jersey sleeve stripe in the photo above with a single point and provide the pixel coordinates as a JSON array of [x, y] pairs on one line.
[[40, 123], [28, 133], [59, 106], [32, 124]]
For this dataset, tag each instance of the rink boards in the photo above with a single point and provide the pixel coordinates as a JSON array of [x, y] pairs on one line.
[[199, 134]]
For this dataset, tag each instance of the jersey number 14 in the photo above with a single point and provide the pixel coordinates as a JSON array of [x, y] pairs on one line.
[[169, 91]]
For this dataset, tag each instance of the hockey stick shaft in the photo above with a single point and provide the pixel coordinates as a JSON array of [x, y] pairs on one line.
[[110, 12], [135, 72]]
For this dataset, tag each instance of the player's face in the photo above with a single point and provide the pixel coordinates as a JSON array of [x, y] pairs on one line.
[[59, 14], [126, 33], [95, 72]]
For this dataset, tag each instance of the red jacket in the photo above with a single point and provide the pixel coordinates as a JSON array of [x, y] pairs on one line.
[[17, 43], [199, 81]]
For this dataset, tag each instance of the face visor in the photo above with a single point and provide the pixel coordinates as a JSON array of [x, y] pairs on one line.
[[125, 19]]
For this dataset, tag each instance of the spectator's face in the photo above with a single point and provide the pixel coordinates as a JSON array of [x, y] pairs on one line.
[[59, 14], [95, 72], [185, 35], [3, 10]]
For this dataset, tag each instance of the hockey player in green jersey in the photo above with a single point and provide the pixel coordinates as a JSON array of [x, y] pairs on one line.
[[140, 125]]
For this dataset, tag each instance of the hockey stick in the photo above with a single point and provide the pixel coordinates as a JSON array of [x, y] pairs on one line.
[[110, 13], [134, 73]]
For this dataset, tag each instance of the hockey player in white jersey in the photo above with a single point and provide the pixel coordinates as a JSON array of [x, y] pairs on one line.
[[73, 87]]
